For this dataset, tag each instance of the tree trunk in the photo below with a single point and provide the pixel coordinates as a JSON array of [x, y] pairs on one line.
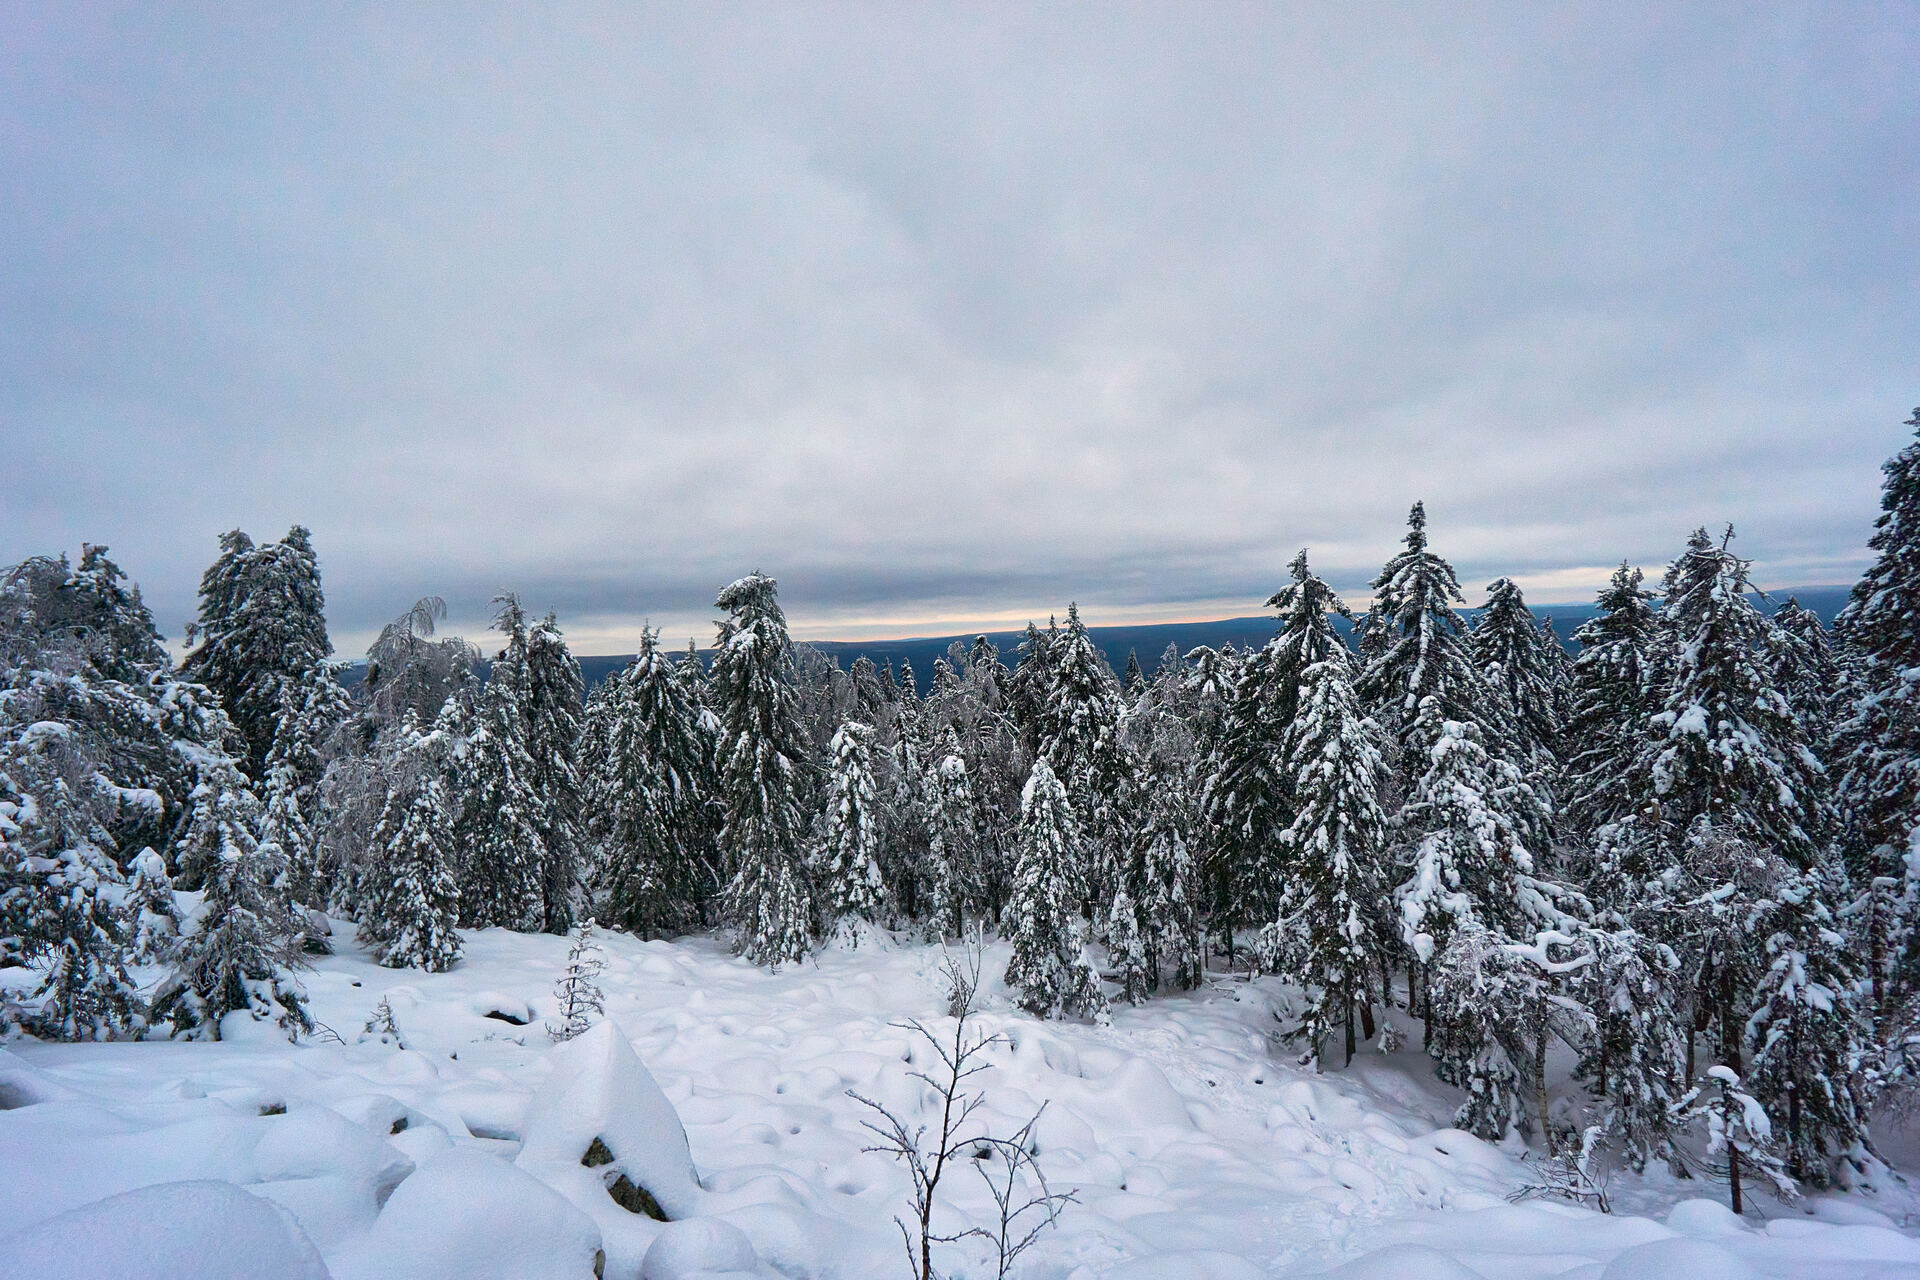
[[1540, 1089], [1733, 1176], [1729, 1033], [1349, 1031], [1366, 1020]]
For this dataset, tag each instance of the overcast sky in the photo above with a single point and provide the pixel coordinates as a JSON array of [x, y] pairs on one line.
[[946, 316]]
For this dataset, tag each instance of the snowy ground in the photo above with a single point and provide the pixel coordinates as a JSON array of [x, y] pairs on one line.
[[1196, 1149]]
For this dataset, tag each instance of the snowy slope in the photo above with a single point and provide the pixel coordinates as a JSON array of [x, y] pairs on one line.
[[1195, 1148]]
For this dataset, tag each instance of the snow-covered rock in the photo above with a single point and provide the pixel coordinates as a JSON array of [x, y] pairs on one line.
[[207, 1230], [601, 1133], [698, 1247], [471, 1216]]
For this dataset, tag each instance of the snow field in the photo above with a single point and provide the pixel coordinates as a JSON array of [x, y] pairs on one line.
[[1196, 1150]]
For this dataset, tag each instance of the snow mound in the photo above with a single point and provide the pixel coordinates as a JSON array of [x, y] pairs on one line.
[[1683, 1257], [470, 1216], [1405, 1261], [601, 1133], [1204, 1264], [698, 1248], [208, 1230]]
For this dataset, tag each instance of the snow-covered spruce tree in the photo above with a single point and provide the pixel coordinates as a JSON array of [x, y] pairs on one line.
[[56, 870], [1612, 699], [1807, 1032], [240, 952], [953, 844], [1725, 743], [1248, 798], [1026, 686], [1134, 682], [577, 994], [1632, 1058], [765, 774], [1877, 744], [1491, 1007], [1469, 817], [647, 781], [314, 714], [1740, 1144], [152, 915], [500, 811], [1807, 671], [1167, 882], [411, 902], [1126, 947], [1416, 644], [1049, 967], [1330, 936], [262, 626], [1079, 735], [854, 887], [1519, 668], [555, 711]]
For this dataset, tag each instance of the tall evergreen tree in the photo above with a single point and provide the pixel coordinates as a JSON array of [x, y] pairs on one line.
[[1725, 742], [1514, 659], [1134, 682], [412, 902], [1807, 1034], [765, 774], [500, 823], [240, 953], [1079, 735], [1329, 937], [555, 711], [262, 626], [646, 790], [1049, 967], [953, 838], [313, 713], [855, 888], [1879, 742], [1805, 669], [1613, 696], [1415, 643]]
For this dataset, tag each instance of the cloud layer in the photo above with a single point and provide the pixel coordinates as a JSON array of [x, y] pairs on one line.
[[949, 315]]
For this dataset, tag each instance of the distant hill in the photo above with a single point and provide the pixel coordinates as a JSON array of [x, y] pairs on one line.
[[1151, 641]]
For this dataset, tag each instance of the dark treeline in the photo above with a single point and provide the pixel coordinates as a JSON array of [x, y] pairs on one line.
[[1683, 850]]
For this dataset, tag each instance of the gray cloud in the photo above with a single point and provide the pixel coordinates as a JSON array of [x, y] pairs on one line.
[[949, 314]]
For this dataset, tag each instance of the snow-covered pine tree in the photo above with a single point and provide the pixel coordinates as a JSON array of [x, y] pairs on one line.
[[1514, 660], [1049, 967], [1806, 670], [411, 901], [56, 873], [1079, 735], [1026, 686], [500, 812], [1807, 1032], [765, 774], [1632, 1059], [1725, 744], [1415, 644], [577, 995], [1611, 701], [1126, 947], [241, 951], [1740, 1144], [1878, 745], [1472, 816], [1167, 881], [555, 711], [1331, 935], [1483, 1003], [1134, 682], [647, 785], [153, 917], [314, 710], [854, 886], [953, 843], [262, 626]]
